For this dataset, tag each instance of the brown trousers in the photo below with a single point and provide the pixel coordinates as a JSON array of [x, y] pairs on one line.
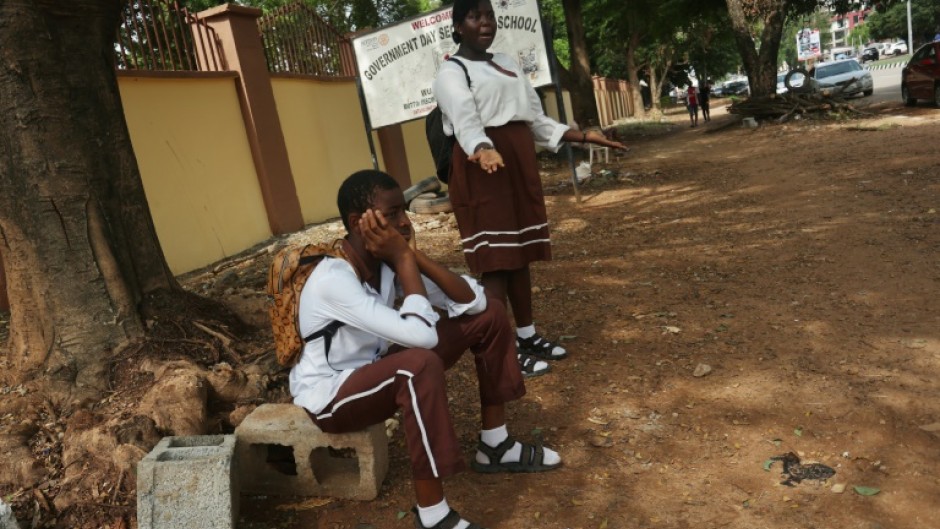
[[413, 380]]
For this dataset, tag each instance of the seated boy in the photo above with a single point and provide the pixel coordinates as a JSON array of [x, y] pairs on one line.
[[363, 379]]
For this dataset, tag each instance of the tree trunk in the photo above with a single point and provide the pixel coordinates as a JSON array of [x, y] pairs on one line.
[[657, 78], [636, 91], [760, 63], [79, 247], [582, 89]]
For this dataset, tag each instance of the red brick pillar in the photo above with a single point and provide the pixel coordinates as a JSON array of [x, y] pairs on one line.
[[237, 29]]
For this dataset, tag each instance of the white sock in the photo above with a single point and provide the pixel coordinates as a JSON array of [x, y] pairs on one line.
[[493, 437], [431, 516]]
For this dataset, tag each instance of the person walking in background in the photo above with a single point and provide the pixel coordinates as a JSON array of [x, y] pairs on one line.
[[495, 187], [691, 101], [704, 94]]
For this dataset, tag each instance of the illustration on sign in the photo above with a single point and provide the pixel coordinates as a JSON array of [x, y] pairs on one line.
[[807, 44], [397, 64]]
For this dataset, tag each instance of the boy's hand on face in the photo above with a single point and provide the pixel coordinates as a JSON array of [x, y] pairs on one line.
[[381, 239]]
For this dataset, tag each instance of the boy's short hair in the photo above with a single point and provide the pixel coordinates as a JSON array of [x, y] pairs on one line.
[[357, 192]]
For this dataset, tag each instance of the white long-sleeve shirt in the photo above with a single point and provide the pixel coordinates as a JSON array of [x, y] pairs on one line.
[[334, 292], [493, 100]]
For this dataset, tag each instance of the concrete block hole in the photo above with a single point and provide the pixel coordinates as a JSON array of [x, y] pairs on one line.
[[278, 458], [335, 466]]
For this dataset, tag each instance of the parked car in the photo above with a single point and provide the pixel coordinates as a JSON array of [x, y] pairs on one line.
[[882, 48], [735, 88], [870, 54], [920, 78], [896, 48], [848, 74]]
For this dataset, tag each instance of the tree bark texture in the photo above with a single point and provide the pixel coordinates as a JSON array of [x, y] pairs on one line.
[[760, 56], [582, 89], [636, 91], [78, 243]]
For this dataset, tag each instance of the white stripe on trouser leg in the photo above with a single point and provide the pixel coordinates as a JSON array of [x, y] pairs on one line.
[[424, 433], [351, 398]]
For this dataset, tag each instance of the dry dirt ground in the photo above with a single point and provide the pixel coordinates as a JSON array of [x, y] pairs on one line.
[[728, 296]]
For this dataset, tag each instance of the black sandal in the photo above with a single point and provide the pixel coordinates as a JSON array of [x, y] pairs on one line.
[[527, 364], [532, 458], [538, 347], [449, 522]]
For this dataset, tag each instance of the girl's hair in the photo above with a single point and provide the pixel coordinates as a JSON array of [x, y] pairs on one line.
[[357, 192], [461, 9]]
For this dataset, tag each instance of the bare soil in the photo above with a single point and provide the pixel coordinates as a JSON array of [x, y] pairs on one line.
[[728, 296]]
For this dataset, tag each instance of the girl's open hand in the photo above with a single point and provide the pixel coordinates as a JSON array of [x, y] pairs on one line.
[[489, 159]]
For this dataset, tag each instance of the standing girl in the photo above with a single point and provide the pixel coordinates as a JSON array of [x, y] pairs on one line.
[[495, 188]]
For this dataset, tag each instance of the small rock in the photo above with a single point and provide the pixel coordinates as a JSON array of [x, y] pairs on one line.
[[536, 290], [7, 521], [934, 427], [701, 370], [601, 441], [391, 426], [838, 488]]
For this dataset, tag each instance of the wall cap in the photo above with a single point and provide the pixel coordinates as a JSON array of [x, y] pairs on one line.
[[229, 9]]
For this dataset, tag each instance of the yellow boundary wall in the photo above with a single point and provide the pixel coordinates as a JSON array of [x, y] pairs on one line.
[[197, 168], [196, 165]]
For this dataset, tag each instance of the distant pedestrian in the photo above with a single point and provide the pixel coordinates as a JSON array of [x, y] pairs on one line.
[[691, 101], [704, 95]]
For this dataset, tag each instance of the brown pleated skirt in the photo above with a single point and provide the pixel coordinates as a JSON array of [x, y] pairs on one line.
[[501, 216]]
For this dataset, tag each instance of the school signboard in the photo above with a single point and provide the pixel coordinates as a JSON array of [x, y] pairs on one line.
[[808, 45], [397, 64]]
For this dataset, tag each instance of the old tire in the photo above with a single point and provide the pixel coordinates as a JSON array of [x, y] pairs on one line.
[[436, 204], [429, 184], [807, 85], [867, 93]]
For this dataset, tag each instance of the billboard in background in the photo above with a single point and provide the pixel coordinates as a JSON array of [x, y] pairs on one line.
[[807, 44], [397, 64]]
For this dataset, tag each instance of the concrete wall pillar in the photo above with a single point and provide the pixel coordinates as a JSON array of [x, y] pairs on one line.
[[237, 29], [392, 142]]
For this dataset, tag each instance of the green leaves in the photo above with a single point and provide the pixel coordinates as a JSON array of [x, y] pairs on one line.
[[866, 491]]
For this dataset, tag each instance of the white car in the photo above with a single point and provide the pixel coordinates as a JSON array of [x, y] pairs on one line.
[[848, 74], [896, 48], [781, 87]]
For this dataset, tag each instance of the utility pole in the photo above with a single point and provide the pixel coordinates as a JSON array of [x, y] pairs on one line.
[[910, 30]]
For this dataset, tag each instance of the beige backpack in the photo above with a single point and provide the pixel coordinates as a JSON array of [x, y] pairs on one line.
[[289, 271]]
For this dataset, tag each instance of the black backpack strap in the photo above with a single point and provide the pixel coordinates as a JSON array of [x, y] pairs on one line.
[[327, 333], [464, 68]]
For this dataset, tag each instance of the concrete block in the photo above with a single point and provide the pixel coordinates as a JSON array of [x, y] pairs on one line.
[[188, 482], [281, 452]]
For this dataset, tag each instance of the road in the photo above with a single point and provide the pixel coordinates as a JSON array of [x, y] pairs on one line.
[[887, 84]]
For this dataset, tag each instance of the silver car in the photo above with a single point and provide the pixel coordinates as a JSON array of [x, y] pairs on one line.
[[846, 75]]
